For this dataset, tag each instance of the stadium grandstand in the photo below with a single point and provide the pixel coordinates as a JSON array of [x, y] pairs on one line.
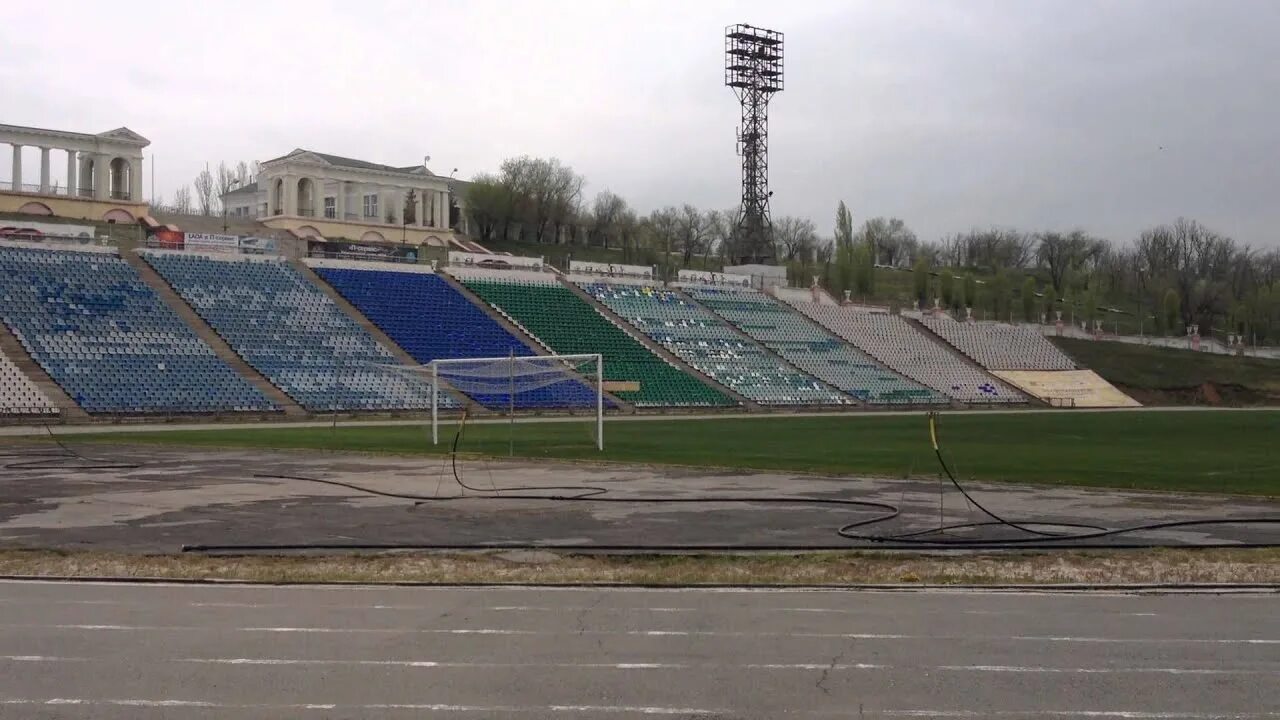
[[567, 324], [291, 332], [106, 338], [431, 320], [903, 347], [813, 350], [706, 342], [19, 395], [997, 346]]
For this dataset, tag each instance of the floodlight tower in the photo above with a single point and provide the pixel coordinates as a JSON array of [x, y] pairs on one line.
[[753, 68]]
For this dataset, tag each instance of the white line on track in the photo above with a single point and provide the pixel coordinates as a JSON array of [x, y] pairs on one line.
[[447, 664], [646, 633], [429, 707], [630, 709]]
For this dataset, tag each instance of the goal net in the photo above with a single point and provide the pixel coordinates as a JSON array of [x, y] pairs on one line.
[[571, 384]]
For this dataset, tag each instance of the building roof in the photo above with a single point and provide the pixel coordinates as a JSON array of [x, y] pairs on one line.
[[244, 189], [340, 161]]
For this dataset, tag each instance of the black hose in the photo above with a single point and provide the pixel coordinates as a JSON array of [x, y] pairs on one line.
[[55, 460], [917, 539]]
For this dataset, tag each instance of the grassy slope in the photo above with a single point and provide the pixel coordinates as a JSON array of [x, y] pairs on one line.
[[1232, 452], [1158, 368]]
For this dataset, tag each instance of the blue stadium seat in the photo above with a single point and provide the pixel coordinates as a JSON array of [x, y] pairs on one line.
[[112, 344], [431, 320], [292, 333]]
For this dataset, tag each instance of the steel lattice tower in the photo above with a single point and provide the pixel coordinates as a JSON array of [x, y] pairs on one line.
[[753, 68]]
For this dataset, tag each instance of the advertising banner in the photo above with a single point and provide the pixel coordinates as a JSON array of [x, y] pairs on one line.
[[257, 246], [36, 231], [612, 269], [364, 251], [212, 243], [714, 278], [490, 260]]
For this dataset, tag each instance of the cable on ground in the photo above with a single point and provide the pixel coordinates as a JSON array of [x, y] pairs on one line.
[[1036, 534]]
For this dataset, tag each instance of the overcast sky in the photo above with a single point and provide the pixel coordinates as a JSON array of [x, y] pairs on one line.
[[1108, 116]]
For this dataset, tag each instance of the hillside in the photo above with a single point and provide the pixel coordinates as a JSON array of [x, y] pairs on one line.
[[1167, 376]]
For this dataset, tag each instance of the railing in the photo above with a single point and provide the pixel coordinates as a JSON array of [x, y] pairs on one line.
[[306, 212], [121, 195]]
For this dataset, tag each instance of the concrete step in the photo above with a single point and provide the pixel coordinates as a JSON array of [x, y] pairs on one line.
[[13, 349], [656, 348], [210, 336], [518, 330]]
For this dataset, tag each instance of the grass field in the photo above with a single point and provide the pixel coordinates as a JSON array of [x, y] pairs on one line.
[[1199, 451], [1160, 368]]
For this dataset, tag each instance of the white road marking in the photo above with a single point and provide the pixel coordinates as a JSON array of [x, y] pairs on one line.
[[432, 707], [1104, 671], [654, 633], [40, 658]]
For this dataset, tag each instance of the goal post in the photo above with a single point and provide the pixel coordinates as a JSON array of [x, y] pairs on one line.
[[516, 382]]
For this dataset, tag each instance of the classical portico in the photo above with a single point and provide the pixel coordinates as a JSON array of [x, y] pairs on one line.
[[324, 195], [103, 173]]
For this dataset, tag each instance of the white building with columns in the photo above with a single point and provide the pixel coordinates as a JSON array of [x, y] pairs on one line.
[[327, 196], [103, 179]]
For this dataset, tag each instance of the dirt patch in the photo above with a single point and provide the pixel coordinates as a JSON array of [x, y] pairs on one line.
[[843, 568], [1206, 394]]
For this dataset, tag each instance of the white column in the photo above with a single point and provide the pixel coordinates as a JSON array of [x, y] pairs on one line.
[[17, 168], [421, 209], [101, 176], [44, 170], [135, 179], [72, 190], [442, 210], [340, 202], [290, 195]]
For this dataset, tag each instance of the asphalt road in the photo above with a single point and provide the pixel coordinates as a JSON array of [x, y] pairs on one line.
[[142, 652]]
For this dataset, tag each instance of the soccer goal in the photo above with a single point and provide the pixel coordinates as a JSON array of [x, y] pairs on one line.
[[556, 383]]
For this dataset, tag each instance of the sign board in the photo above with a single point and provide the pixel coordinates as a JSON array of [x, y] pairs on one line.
[[621, 385], [363, 251], [257, 245], [611, 269], [505, 262], [713, 278], [35, 231], [212, 243]]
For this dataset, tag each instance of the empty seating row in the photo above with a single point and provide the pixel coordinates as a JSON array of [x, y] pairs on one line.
[[569, 325], [431, 320], [109, 341], [904, 348], [292, 333], [810, 348], [997, 346], [19, 395], [700, 338]]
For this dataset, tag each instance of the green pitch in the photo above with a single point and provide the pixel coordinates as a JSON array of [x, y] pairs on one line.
[[1201, 451]]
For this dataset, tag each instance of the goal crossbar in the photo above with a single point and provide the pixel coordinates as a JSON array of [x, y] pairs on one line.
[[569, 363]]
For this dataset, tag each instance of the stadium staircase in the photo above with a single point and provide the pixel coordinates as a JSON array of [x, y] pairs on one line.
[[768, 351], [512, 326], [654, 347], [18, 355], [215, 342]]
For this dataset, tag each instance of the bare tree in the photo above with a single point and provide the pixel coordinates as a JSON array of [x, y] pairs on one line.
[[796, 238], [203, 185], [224, 182], [182, 201], [607, 210]]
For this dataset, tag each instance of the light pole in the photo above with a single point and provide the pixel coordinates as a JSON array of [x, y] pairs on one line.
[[234, 182]]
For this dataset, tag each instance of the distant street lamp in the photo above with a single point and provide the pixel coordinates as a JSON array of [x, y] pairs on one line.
[[234, 182]]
